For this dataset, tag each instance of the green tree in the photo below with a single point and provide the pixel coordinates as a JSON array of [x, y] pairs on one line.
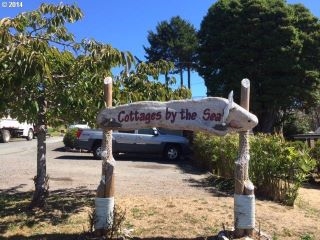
[[49, 79], [39, 72], [274, 44], [142, 84], [174, 41], [82, 89]]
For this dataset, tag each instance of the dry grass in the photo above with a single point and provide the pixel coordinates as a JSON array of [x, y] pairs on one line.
[[66, 216]]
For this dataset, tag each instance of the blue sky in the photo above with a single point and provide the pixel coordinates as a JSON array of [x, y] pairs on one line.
[[125, 23]]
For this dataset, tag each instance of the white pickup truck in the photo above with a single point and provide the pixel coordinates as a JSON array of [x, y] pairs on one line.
[[144, 141], [10, 127]]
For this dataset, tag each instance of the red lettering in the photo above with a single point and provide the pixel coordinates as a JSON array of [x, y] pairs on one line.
[[148, 117], [153, 116], [136, 116], [218, 117], [212, 117], [158, 117], [193, 116], [120, 119], [206, 114]]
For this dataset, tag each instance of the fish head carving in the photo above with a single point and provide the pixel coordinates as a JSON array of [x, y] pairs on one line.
[[239, 119]]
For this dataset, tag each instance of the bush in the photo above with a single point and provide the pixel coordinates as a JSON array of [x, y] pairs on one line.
[[216, 154], [315, 153], [277, 168], [295, 123], [70, 138]]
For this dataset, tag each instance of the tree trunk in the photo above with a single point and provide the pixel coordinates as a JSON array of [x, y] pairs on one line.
[[267, 120], [181, 78], [41, 180], [166, 80], [189, 78]]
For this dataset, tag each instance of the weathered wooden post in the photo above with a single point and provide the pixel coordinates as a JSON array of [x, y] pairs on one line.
[[214, 115], [104, 201], [244, 199]]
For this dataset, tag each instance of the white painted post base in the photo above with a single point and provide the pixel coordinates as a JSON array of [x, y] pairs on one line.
[[244, 207], [104, 212]]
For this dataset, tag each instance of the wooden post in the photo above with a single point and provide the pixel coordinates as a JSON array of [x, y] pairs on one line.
[[244, 189], [105, 190]]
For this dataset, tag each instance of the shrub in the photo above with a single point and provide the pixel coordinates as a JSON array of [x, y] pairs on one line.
[[277, 168], [315, 153], [111, 231], [216, 154], [70, 138], [295, 123]]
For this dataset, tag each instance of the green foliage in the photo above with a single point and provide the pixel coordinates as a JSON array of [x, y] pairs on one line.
[[70, 138], [296, 123], [307, 237], [315, 153], [216, 153], [49, 79], [174, 41], [272, 43], [277, 168], [142, 84], [55, 131], [69, 77]]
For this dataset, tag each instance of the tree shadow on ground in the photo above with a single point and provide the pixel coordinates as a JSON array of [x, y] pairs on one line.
[[61, 204], [76, 157], [88, 237], [215, 185]]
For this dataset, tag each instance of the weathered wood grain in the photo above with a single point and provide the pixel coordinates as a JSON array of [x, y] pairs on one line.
[[215, 115]]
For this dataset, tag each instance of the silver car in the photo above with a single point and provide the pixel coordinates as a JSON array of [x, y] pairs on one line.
[[144, 141]]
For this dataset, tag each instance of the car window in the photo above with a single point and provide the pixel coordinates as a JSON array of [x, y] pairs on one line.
[[126, 131], [148, 131]]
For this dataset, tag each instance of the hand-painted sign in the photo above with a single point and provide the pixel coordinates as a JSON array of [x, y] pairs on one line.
[[215, 115]]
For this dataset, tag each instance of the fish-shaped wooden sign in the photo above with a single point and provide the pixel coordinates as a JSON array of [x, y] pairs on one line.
[[213, 114]]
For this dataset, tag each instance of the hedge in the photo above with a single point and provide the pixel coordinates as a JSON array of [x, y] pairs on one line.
[[277, 168]]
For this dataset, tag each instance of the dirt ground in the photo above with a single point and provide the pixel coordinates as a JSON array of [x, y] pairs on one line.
[[163, 199], [203, 214]]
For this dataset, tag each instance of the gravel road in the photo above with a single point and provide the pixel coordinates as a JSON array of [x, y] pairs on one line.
[[135, 175]]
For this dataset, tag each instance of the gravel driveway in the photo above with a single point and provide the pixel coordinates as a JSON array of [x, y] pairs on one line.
[[134, 174]]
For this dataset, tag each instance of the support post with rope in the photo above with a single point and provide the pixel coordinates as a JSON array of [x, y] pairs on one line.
[[244, 199]]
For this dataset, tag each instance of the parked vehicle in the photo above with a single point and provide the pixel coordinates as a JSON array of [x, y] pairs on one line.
[[79, 125], [144, 141], [10, 127]]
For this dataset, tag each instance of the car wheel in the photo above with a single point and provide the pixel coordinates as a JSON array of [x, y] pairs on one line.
[[97, 150], [30, 135], [172, 152], [5, 136]]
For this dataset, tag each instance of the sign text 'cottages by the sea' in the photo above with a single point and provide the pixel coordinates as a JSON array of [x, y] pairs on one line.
[[213, 114]]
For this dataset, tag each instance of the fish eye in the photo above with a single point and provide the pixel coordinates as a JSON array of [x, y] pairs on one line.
[[249, 120]]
